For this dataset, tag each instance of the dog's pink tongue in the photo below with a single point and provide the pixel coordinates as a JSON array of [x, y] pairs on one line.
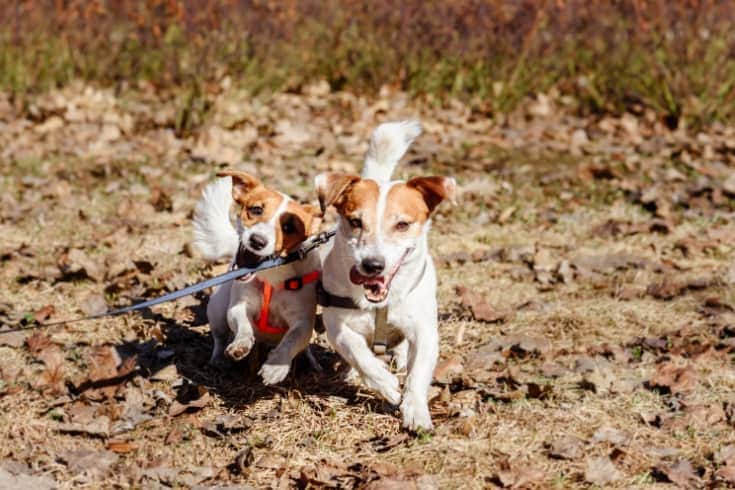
[[361, 280]]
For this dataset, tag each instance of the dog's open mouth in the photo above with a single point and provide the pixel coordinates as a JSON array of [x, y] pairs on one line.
[[376, 287]]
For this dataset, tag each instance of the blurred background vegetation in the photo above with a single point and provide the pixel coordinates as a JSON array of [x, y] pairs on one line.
[[676, 57]]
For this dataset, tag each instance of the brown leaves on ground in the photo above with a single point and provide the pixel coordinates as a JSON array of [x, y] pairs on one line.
[[566, 447], [22, 479], [517, 474], [670, 378], [601, 471], [190, 398], [681, 473], [585, 298], [478, 306]]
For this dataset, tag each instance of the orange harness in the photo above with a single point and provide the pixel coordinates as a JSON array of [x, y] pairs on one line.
[[293, 284]]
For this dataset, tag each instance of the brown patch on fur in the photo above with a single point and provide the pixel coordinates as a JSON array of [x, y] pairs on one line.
[[295, 225], [242, 183], [405, 204], [361, 202], [434, 189], [260, 197], [332, 188]]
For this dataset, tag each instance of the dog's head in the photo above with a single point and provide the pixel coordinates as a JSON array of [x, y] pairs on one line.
[[270, 223], [381, 223]]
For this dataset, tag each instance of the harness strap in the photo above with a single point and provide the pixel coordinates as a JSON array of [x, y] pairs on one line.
[[380, 336], [292, 284]]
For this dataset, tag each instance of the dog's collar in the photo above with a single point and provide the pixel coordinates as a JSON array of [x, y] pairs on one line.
[[293, 284]]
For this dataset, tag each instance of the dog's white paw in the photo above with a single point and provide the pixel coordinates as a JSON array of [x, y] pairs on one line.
[[386, 384], [239, 349], [416, 414], [273, 373]]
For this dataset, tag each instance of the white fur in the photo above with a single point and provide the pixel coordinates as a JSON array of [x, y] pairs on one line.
[[234, 307], [411, 300], [214, 235], [388, 143]]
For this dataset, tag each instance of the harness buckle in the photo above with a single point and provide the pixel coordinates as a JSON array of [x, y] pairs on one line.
[[293, 284]]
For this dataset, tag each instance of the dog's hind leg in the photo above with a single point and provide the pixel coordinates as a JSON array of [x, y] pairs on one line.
[[279, 360], [400, 355], [313, 363], [217, 316]]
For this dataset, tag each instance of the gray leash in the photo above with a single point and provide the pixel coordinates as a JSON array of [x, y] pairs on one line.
[[268, 263]]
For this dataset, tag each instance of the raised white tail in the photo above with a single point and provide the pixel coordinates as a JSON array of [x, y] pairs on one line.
[[214, 234], [388, 144]]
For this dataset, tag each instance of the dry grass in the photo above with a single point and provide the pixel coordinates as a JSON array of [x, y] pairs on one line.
[[59, 190], [673, 57]]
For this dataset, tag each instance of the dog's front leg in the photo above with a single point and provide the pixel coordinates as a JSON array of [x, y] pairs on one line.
[[354, 349], [237, 318], [423, 351], [276, 368]]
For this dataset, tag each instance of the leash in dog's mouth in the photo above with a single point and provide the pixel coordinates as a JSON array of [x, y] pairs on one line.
[[246, 259], [377, 287]]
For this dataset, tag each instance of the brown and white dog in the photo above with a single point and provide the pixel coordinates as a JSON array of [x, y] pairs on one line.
[[380, 259], [275, 306]]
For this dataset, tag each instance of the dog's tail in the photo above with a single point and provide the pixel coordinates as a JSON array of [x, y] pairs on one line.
[[214, 234], [388, 144]]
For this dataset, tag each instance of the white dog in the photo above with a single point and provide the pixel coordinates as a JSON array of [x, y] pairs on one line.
[[379, 274], [275, 306]]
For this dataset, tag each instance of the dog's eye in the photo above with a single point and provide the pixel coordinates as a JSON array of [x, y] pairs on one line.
[[355, 223], [288, 227], [402, 226], [255, 210]]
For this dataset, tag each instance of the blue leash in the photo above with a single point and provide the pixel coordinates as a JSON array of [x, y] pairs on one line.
[[269, 263]]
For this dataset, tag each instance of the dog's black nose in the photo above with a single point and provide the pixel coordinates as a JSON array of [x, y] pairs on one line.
[[373, 265], [257, 242]]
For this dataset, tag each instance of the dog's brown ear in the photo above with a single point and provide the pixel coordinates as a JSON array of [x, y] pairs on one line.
[[435, 190], [331, 187], [315, 218], [242, 183]]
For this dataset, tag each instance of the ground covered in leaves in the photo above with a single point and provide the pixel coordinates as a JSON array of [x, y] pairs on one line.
[[586, 299]]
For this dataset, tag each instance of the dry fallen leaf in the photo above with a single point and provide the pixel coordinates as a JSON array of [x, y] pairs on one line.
[[681, 473], [194, 399], [94, 304], [726, 474], [726, 455], [89, 461], [76, 262], [517, 475], [601, 471], [23, 481], [565, 447], [122, 447], [44, 313], [614, 436], [98, 426], [671, 378], [447, 369], [479, 307]]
